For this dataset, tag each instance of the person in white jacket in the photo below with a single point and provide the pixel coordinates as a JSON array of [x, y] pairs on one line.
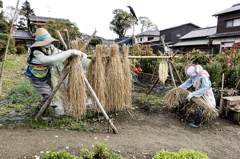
[[199, 79], [42, 56]]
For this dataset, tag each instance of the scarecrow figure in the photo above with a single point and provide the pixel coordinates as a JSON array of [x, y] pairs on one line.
[[43, 55], [199, 79]]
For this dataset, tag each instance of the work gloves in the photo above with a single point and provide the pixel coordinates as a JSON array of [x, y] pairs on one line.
[[80, 53], [190, 95]]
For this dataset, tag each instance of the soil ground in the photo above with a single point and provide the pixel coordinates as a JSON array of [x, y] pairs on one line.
[[145, 129]]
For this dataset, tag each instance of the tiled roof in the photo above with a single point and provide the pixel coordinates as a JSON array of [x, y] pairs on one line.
[[201, 32], [237, 33], [235, 7], [149, 32], [22, 34], [43, 19], [180, 26], [192, 42]]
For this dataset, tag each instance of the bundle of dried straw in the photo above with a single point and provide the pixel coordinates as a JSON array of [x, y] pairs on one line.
[[114, 81], [209, 113], [127, 76], [76, 85], [96, 75]]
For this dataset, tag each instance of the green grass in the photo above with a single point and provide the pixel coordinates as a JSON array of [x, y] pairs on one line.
[[153, 99], [24, 93], [13, 62]]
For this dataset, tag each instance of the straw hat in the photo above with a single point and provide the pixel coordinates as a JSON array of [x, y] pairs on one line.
[[42, 37]]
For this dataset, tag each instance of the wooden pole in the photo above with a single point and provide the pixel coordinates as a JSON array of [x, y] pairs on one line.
[[100, 106], [153, 86], [67, 38], [89, 87], [175, 70], [170, 68], [61, 39], [222, 85], [62, 79], [51, 96], [9, 36]]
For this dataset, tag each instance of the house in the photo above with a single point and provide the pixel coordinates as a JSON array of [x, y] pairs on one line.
[[40, 21], [228, 28], [23, 38], [172, 35], [196, 39]]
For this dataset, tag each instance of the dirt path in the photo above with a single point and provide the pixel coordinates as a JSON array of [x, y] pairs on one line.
[[141, 134]]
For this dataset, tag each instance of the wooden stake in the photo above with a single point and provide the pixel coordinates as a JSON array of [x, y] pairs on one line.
[[51, 96], [61, 81], [169, 66], [153, 86], [61, 39], [67, 38], [222, 85], [100, 106]]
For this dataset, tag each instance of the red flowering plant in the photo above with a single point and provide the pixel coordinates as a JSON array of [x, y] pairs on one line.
[[231, 54]]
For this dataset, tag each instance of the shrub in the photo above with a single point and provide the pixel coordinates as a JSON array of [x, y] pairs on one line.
[[215, 72], [232, 75], [183, 153], [12, 42], [21, 50]]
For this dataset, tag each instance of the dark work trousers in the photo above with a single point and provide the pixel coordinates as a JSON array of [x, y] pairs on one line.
[[197, 115], [45, 88]]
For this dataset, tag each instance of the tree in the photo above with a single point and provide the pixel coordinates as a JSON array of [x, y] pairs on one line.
[[4, 26], [147, 24], [26, 11], [121, 22], [60, 24]]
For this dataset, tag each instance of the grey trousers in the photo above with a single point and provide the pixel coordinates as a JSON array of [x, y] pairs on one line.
[[45, 88]]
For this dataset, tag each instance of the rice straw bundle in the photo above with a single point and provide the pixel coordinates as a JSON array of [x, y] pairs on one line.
[[96, 75], [76, 85], [163, 71], [127, 76], [114, 81], [209, 113]]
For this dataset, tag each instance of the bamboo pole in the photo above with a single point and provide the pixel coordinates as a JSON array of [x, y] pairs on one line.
[[61, 39], [9, 36], [141, 57], [100, 106]]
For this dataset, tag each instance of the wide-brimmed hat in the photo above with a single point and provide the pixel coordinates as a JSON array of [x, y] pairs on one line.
[[42, 37]]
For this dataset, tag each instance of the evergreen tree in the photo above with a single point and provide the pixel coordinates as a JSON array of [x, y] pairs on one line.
[[26, 8], [4, 26]]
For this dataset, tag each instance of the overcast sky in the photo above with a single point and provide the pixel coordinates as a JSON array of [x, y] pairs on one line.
[[97, 14]]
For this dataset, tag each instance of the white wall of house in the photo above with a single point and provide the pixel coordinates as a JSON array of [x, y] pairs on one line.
[[225, 42], [143, 39]]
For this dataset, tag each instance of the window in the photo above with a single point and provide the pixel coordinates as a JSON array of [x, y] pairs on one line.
[[150, 38], [233, 23]]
